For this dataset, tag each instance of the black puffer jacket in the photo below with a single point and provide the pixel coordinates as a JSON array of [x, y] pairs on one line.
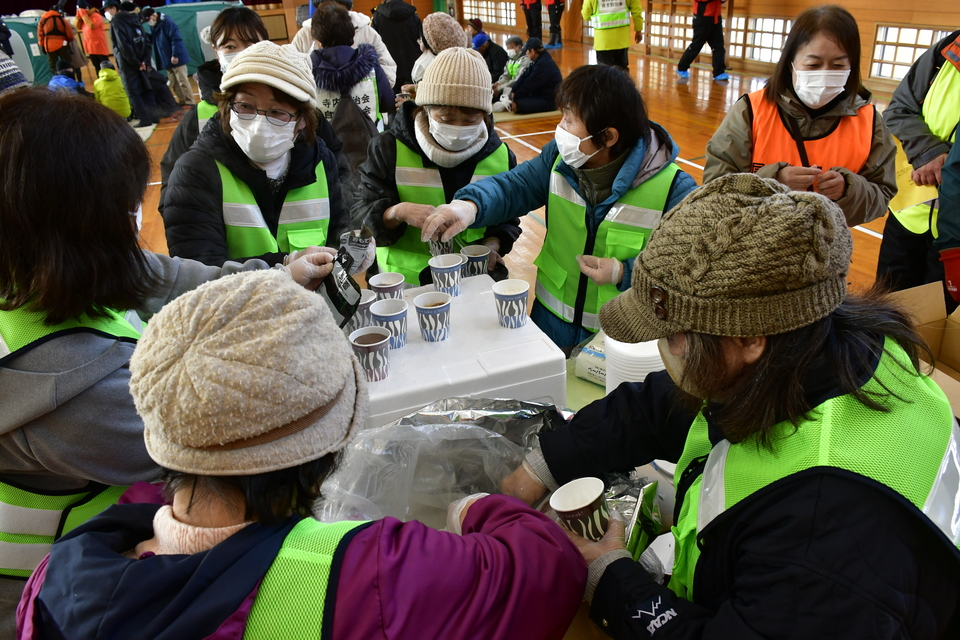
[[378, 186], [399, 26], [208, 79], [824, 553], [131, 46], [193, 201]]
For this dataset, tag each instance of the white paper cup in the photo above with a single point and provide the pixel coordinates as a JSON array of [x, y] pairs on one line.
[[387, 285], [582, 507], [373, 353], [433, 315], [446, 271], [362, 318], [511, 297], [392, 314]]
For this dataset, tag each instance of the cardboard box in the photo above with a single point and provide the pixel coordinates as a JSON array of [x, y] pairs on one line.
[[942, 332]]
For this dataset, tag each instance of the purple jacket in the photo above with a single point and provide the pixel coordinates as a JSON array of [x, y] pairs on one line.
[[513, 574]]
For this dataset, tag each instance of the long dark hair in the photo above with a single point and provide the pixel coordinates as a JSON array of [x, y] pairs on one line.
[[269, 498], [604, 96], [72, 173], [771, 390], [837, 24]]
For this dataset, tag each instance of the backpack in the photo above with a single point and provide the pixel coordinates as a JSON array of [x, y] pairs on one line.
[[355, 130]]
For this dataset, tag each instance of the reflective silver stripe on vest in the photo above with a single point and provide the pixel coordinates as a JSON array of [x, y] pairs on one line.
[[590, 320], [236, 214], [561, 188], [22, 557], [38, 522], [943, 503], [202, 123], [713, 493], [418, 177], [4, 349], [477, 178], [633, 216], [305, 211]]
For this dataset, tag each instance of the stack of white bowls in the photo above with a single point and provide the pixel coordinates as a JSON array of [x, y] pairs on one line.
[[627, 362]]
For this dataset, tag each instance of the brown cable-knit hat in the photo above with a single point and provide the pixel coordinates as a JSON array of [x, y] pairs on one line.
[[442, 31], [741, 256], [244, 375]]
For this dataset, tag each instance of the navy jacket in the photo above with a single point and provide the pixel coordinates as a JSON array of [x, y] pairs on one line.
[[540, 80], [168, 44]]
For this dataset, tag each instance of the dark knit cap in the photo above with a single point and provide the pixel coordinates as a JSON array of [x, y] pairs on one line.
[[475, 23], [741, 256], [145, 13]]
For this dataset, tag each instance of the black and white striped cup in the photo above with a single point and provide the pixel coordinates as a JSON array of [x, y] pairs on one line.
[[387, 285], [477, 256], [446, 271], [372, 346], [433, 315], [511, 296], [582, 507], [362, 318], [392, 314]]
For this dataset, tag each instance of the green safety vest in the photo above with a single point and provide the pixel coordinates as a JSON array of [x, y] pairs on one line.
[[205, 111], [304, 217], [610, 15], [364, 94], [513, 67], [622, 234], [940, 115], [423, 185], [842, 433], [30, 519], [291, 598]]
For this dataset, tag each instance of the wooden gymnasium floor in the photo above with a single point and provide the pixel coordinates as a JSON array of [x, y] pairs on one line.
[[689, 110]]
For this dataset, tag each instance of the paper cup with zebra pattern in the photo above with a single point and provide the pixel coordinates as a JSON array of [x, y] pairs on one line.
[[392, 314], [433, 315], [372, 346], [439, 247], [387, 285], [511, 297], [362, 318], [477, 255], [446, 271], [582, 507]]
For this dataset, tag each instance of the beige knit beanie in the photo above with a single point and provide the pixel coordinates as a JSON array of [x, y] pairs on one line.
[[244, 375], [442, 31], [279, 66], [459, 78], [741, 256]]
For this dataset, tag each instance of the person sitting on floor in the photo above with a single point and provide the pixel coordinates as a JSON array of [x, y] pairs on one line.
[[534, 91], [493, 54], [108, 90], [64, 80], [517, 63]]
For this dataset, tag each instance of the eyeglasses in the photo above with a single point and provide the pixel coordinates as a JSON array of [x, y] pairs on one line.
[[277, 117]]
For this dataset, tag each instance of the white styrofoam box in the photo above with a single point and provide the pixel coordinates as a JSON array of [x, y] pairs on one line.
[[479, 359]]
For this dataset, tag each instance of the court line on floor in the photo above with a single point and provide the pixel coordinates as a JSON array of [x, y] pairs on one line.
[[869, 232], [524, 135], [506, 136]]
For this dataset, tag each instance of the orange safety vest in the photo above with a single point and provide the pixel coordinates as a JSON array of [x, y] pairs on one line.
[[847, 145]]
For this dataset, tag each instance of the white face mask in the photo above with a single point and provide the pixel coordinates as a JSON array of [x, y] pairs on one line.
[[225, 60], [817, 88], [453, 137], [569, 147], [108, 16], [260, 140], [513, 53]]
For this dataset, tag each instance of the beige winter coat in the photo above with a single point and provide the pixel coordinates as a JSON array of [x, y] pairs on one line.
[[867, 193]]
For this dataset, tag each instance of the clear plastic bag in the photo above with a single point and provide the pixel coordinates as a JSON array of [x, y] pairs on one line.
[[413, 468]]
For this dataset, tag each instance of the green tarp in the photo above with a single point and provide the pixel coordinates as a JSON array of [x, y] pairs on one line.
[[26, 52]]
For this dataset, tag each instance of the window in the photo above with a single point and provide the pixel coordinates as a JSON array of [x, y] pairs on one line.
[[896, 48], [503, 13], [762, 38]]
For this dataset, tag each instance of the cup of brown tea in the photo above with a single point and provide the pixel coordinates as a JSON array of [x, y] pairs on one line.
[[433, 315], [372, 346]]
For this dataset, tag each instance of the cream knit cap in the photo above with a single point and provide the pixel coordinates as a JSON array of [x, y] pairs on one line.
[[442, 31], [741, 256], [279, 66], [458, 78], [244, 375]]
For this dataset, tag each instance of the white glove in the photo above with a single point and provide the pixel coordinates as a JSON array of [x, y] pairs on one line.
[[449, 220], [601, 270], [310, 269], [457, 511]]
